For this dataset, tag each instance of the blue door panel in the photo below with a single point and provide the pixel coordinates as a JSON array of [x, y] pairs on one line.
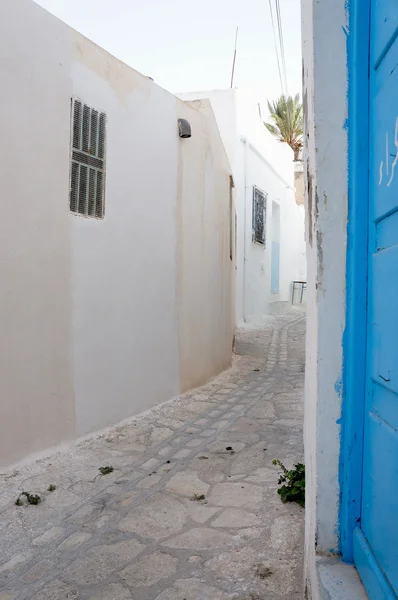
[[376, 538], [383, 320], [379, 494], [384, 136], [384, 405], [374, 580], [386, 232], [383, 26]]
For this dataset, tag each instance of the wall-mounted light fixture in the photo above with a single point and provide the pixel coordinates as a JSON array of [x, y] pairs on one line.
[[184, 128]]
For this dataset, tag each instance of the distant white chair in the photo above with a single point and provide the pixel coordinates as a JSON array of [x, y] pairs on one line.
[[301, 286]]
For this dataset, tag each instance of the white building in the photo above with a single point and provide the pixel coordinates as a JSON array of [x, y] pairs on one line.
[[117, 296], [350, 54], [270, 224]]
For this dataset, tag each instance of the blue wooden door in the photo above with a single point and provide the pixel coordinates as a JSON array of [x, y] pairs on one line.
[[376, 537]]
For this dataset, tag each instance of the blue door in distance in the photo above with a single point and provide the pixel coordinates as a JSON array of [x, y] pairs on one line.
[[275, 253], [376, 537]]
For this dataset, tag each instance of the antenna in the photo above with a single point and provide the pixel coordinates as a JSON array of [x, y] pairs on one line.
[[233, 62]]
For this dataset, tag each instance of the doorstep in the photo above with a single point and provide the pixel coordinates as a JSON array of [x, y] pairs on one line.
[[338, 580]]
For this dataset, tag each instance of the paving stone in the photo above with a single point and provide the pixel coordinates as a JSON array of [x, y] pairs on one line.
[[194, 443], [245, 425], [173, 423], [149, 482], [158, 517], [192, 430], [150, 464], [234, 518], [48, 536], [236, 564], [56, 590], [202, 422], [200, 539], [286, 532], [149, 570], [263, 410], [182, 453], [193, 589], [99, 562], [74, 541], [236, 495], [208, 432], [264, 475], [166, 450], [160, 434], [16, 561], [126, 499], [103, 520], [82, 513], [187, 483], [8, 595], [221, 424], [38, 571], [178, 440], [199, 513], [221, 447], [113, 591]]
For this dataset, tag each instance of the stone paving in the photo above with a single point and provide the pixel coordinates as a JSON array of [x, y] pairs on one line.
[[190, 511]]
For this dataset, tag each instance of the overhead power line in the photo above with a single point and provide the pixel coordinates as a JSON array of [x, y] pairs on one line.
[[234, 60], [276, 47], [280, 30]]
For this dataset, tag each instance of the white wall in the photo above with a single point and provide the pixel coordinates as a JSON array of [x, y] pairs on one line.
[[90, 309], [325, 91], [125, 331], [257, 159], [206, 316]]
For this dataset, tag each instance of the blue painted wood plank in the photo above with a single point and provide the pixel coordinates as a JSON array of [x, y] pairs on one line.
[[369, 570]]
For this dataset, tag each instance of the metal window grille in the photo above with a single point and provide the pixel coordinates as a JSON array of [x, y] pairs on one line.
[[88, 153], [259, 215]]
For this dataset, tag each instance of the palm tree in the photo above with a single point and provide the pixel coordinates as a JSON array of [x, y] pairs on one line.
[[287, 116]]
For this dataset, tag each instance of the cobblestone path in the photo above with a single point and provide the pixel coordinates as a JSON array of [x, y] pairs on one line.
[[190, 511]]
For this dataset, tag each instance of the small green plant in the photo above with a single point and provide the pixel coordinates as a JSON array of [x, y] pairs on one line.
[[198, 498], [51, 488], [291, 483], [30, 499], [106, 470]]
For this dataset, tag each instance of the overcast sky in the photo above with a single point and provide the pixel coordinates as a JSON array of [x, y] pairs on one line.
[[188, 46]]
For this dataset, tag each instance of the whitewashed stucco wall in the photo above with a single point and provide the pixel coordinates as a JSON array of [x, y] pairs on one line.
[[90, 312], [259, 160], [124, 268], [206, 271], [325, 107]]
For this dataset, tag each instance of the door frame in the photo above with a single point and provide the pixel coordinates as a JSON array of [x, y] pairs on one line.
[[355, 334]]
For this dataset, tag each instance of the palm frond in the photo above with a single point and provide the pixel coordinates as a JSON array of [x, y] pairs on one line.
[[286, 114]]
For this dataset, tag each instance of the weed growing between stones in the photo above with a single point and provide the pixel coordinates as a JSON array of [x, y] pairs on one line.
[[30, 499], [291, 483], [105, 470]]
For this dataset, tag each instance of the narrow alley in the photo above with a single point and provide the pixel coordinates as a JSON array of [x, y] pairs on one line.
[[190, 509]]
